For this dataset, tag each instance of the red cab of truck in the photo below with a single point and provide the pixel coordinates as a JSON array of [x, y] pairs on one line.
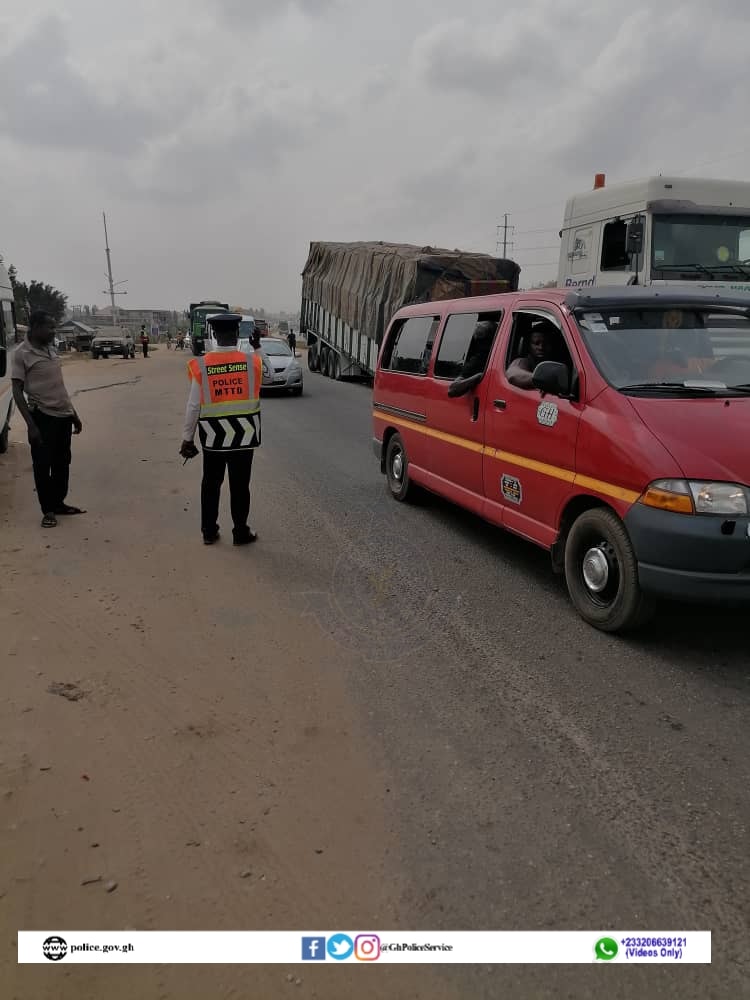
[[608, 426]]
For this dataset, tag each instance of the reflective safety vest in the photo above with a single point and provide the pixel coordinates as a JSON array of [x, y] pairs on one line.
[[230, 399]]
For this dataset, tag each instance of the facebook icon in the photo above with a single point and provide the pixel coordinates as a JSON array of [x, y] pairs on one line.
[[313, 949]]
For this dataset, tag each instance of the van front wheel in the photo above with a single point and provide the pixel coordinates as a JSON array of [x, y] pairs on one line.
[[397, 470], [601, 572]]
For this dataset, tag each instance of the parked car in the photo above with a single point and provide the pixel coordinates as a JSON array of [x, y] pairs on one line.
[[625, 453], [114, 342], [281, 370]]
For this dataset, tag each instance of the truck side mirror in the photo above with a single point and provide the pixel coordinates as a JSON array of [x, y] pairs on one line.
[[634, 237], [552, 377]]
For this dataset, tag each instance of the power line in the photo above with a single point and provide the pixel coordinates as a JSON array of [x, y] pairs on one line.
[[554, 246], [530, 232]]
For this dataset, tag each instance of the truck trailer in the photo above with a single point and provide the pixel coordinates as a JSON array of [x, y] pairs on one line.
[[350, 291]]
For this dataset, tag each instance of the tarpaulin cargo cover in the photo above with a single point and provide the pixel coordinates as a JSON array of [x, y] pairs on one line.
[[364, 284]]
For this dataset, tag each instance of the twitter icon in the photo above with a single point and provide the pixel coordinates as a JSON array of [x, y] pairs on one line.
[[340, 946]]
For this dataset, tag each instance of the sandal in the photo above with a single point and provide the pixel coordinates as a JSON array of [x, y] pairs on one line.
[[49, 521], [66, 509]]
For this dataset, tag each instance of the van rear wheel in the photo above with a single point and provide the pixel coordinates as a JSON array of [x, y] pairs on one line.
[[397, 470], [601, 572], [4, 438]]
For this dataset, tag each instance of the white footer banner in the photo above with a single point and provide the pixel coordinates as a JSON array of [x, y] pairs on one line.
[[360, 947]]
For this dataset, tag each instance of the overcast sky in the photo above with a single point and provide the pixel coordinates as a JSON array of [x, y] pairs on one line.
[[222, 136]]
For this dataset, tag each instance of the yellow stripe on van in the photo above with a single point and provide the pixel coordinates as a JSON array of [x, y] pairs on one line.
[[554, 471]]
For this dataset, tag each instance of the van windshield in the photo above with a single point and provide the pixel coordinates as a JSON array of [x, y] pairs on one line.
[[668, 351]]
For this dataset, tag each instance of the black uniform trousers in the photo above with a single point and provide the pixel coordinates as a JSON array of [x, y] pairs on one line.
[[239, 465], [51, 460]]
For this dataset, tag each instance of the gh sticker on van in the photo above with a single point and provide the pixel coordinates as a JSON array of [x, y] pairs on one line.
[[546, 414]]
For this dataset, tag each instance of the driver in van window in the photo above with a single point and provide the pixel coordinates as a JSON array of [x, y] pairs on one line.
[[477, 355], [521, 371]]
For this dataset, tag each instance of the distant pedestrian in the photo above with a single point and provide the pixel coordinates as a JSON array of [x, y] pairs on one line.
[[42, 400], [224, 404], [169, 341], [292, 341], [144, 340]]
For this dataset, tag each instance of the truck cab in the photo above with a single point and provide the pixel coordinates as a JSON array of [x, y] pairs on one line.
[[658, 231]]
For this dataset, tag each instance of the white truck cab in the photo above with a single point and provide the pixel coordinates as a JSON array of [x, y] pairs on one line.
[[7, 345], [661, 230]]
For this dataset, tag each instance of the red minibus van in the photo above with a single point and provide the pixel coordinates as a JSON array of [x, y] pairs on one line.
[[607, 425]]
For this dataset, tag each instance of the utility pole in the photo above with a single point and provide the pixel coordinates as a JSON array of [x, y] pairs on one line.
[[502, 240], [112, 291]]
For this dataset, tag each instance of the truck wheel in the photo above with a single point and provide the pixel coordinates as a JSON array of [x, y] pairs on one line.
[[323, 361], [336, 368], [601, 572], [4, 438], [397, 470], [94, 355], [312, 359]]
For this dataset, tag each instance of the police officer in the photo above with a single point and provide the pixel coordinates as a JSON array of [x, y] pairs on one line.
[[224, 404]]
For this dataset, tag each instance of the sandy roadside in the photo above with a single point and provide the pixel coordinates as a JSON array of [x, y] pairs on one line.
[[210, 762]]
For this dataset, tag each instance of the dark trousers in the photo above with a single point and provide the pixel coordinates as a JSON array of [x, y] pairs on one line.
[[51, 460], [145, 350], [239, 464]]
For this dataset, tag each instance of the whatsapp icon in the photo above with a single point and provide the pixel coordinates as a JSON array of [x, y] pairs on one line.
[[606, 949]]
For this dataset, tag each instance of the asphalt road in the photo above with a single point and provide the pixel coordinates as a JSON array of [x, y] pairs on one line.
[[548, 776], [420, 700]]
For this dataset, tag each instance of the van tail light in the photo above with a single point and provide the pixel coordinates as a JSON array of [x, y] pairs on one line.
[[599, 181]]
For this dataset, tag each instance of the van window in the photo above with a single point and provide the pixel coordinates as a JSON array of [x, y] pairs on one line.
[[465, 345], [7, 323], [526, 323], [615, 246], [410, 345]]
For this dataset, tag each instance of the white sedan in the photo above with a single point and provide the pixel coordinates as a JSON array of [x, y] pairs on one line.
[[281, 370]]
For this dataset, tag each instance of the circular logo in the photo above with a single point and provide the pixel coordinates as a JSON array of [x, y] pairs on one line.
[[722, 254], [606, 949], [55, 948], [340, 946]]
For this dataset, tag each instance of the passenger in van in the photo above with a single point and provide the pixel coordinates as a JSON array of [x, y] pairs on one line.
[[521, 371], [476, 358]]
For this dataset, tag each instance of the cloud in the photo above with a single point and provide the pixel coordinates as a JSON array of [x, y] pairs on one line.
[[47, 102], [249, 12]]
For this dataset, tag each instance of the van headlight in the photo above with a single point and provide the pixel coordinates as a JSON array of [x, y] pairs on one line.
[[684, 496]]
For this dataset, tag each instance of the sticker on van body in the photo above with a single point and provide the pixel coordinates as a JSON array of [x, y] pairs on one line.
[[510, 487], [546, 414]]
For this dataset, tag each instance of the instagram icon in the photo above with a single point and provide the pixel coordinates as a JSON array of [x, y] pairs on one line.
[[367, 947]]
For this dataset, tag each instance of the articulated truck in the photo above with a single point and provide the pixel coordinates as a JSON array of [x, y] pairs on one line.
[[350, 291]]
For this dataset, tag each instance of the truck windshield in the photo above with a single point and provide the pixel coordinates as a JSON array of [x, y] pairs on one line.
[[661, 351], [700, 247], [247, 327]]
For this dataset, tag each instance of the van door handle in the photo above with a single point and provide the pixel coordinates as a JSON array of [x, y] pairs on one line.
[[499, 404], [475, 411]]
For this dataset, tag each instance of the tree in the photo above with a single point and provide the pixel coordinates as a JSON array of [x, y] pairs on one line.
[[37, 295], [41, 296]]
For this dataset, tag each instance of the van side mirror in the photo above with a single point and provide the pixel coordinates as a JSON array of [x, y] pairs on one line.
[[634, 237], [552, 377]]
